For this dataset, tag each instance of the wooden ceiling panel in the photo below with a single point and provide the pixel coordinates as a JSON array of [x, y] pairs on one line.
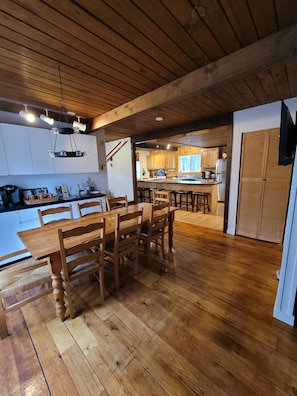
[[117, 57]]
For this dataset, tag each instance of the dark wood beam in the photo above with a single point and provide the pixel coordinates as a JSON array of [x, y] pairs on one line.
[[272, 50], [207, 123]]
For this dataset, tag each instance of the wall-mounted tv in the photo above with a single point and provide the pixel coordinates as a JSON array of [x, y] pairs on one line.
[[288, 133]]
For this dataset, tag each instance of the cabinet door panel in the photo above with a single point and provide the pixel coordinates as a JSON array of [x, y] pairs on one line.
[[40, 144], [274, 208], [3, 162], [10, 241], [17, 148], [249, 208], [252, 155], [63, 165]]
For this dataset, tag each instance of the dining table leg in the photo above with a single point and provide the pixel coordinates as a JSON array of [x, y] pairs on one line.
[[58, 290], [170, 230]]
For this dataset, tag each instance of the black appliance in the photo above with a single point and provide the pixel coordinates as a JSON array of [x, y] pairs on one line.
[[10, 196]]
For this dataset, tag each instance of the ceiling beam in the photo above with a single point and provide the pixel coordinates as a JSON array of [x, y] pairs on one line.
[[272, 50], [207, 123]]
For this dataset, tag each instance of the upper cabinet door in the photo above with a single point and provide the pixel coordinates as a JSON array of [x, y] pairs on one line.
[[3, 162], [85, 143], [17, 149], [88, 144], [40, 143], [63, 165]]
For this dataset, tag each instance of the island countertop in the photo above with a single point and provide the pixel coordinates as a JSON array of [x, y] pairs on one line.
[[180, 181], [174, 184]]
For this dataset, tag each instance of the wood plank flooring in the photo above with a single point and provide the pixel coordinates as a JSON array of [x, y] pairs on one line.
[[197, 323]]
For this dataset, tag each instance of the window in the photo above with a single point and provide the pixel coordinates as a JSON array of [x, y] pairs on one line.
[[189, 163]]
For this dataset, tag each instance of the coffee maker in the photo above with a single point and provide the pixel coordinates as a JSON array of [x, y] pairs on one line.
[[10, 196]]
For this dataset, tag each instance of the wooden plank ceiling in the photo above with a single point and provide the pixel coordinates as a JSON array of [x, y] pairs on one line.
[[125, 62]]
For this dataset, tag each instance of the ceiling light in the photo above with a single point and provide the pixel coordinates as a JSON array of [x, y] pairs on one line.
[[68, 130], [168, 146], [159, 118], [79, 125], [27, 115], [46, 118]]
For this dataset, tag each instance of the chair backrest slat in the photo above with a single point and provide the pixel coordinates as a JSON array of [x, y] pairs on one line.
[[116, 202], [83, 207], [48, 216]]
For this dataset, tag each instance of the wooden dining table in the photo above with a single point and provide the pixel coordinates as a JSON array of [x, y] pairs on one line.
[[44, 242]]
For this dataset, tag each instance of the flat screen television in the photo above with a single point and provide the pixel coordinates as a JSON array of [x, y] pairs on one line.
[[287, 142]]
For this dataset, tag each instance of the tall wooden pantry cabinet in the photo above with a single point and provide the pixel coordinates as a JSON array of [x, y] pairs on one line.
[[263, 189]]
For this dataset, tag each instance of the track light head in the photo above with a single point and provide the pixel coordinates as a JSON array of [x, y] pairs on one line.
[[79, 125], [46, 118], [27, 115]]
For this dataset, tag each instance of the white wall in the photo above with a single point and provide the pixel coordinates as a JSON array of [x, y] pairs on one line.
[[119, 170]]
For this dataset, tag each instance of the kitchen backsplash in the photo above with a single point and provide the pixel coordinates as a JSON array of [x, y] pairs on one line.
[[51, 181]]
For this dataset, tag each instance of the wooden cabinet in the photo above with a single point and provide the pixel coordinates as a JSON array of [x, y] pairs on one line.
[[209, 158], [161, 159], [170, 160], [264, 188], [156, 160]]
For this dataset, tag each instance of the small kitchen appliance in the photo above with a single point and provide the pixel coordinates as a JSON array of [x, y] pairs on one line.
[[10, 196]]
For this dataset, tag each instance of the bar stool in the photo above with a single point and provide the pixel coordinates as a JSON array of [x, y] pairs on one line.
[[146, 194], [140, 194], [200, 200], [182, 197]]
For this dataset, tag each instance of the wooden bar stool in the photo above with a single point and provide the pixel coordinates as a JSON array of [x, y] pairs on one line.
[[140, 194], [200, 200], [182, 197]]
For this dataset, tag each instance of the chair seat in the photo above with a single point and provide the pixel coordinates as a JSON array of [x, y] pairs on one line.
[[22, 277]]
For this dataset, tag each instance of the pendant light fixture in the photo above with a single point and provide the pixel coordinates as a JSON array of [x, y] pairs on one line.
[[68, 130]]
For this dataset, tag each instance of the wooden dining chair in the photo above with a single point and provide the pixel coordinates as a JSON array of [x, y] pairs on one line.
[[160, 196], [126, 241], [54, 215], [116, 202], [154, 231], [86, 208], [21, 283], [82, 254]]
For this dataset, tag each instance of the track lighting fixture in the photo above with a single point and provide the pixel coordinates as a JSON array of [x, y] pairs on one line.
[[79, 125], [27, 115], [46, 118]]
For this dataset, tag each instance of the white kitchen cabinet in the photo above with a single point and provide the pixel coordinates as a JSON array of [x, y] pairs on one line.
[[17, 149], [40, 143], [3, 162], [28, 218], [10, 241], [86, 143]]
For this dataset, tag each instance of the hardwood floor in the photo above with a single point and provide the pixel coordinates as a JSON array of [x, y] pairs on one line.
[[198, 323], [209, 220]]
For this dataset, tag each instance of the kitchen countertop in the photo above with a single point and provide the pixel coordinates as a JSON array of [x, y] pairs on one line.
[[60, 201], [180, 181]]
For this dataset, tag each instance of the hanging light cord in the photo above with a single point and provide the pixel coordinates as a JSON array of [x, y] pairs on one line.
[[62, 97]]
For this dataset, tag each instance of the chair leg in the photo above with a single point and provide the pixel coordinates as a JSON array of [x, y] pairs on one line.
[[3, 324]]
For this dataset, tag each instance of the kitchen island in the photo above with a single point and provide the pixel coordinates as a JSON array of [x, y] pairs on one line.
[[175, 184]]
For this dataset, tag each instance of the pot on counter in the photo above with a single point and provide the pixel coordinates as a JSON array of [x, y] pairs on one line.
[[207, 174]]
